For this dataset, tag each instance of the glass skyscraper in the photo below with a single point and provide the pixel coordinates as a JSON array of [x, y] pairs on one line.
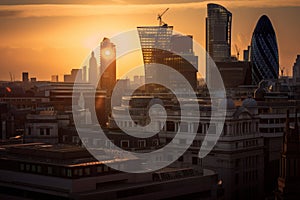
[[153, 40], [264, 51], [218, 34], [160, 46]]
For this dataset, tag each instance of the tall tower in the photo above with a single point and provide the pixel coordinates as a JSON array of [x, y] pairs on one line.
[[218, 35], [264, 51], [160, 46], [107, 65], [93, 72], [154, 40], [289, 178]]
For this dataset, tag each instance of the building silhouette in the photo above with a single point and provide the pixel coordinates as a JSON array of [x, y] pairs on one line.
[[25, 77], [107, 65], [296, 70], [218, 35], [54, 78], [160, 46], [264, 51], [93, 72], [289, 178]]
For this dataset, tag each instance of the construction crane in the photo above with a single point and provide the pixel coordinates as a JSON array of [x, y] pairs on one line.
[[159, 17], [237, 49]]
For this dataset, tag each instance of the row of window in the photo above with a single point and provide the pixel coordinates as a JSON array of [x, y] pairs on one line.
[[64, 172], [42, 131]]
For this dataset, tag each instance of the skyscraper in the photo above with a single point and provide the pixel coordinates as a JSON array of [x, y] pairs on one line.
[[154, 39], [93, 72], [264, 51], [160, 46], [218, 34], [107, 65]]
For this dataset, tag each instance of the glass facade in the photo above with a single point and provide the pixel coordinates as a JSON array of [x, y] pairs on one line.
[[218, 34], [153, 40], [160, 46], [264, 52]]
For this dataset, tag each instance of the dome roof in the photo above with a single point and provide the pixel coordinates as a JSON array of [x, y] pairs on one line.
[[228, 102], [249, 102], [259, 93]]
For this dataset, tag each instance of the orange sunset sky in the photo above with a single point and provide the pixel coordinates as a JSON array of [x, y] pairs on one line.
[[55, 36]]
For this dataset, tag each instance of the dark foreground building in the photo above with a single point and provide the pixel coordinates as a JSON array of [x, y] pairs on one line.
[[40, 171]]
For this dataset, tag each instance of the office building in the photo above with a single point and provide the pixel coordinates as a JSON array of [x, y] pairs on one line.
[[218, 35], [43, 171], [93, 70], [264, 52], [54, 78], [108, 69], [160, 46], [25, 77]]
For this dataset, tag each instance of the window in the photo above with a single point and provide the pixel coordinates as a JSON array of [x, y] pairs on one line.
[[69, 172], [33, 168], [124, 143], [155, 142], [27, 167], [29, 131], [105, 168], [80, 172], [87, 171], [99, 169], [195, 160], [42, 131], [22, 167], [49, 170], [39, 169], [47, 131], [141, 143]]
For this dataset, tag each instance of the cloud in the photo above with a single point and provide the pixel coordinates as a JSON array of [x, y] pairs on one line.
[[10, 13], [121, 7]]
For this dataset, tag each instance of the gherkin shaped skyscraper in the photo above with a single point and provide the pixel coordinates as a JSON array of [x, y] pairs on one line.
[[264, 51]]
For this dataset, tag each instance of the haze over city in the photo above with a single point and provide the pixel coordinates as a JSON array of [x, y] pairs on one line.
[[55, 36]]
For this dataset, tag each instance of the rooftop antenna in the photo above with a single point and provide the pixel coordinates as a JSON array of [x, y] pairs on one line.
[[237, 51], [159, 17], [11, 77]]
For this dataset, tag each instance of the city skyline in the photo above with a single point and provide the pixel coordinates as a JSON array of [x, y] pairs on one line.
[[59, 41]]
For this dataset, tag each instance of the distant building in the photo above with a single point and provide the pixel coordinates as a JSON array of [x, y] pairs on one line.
[[33, 79], [264, 52], [218, 35], [76, 75], [93, 70], [238, 156], [25, 77], [54, 78], [107, 65], [43, 171], [296, 70], [41, 127], [160, 46]]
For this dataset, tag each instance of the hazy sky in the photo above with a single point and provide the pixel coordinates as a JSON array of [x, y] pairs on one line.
[[55, 36]]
